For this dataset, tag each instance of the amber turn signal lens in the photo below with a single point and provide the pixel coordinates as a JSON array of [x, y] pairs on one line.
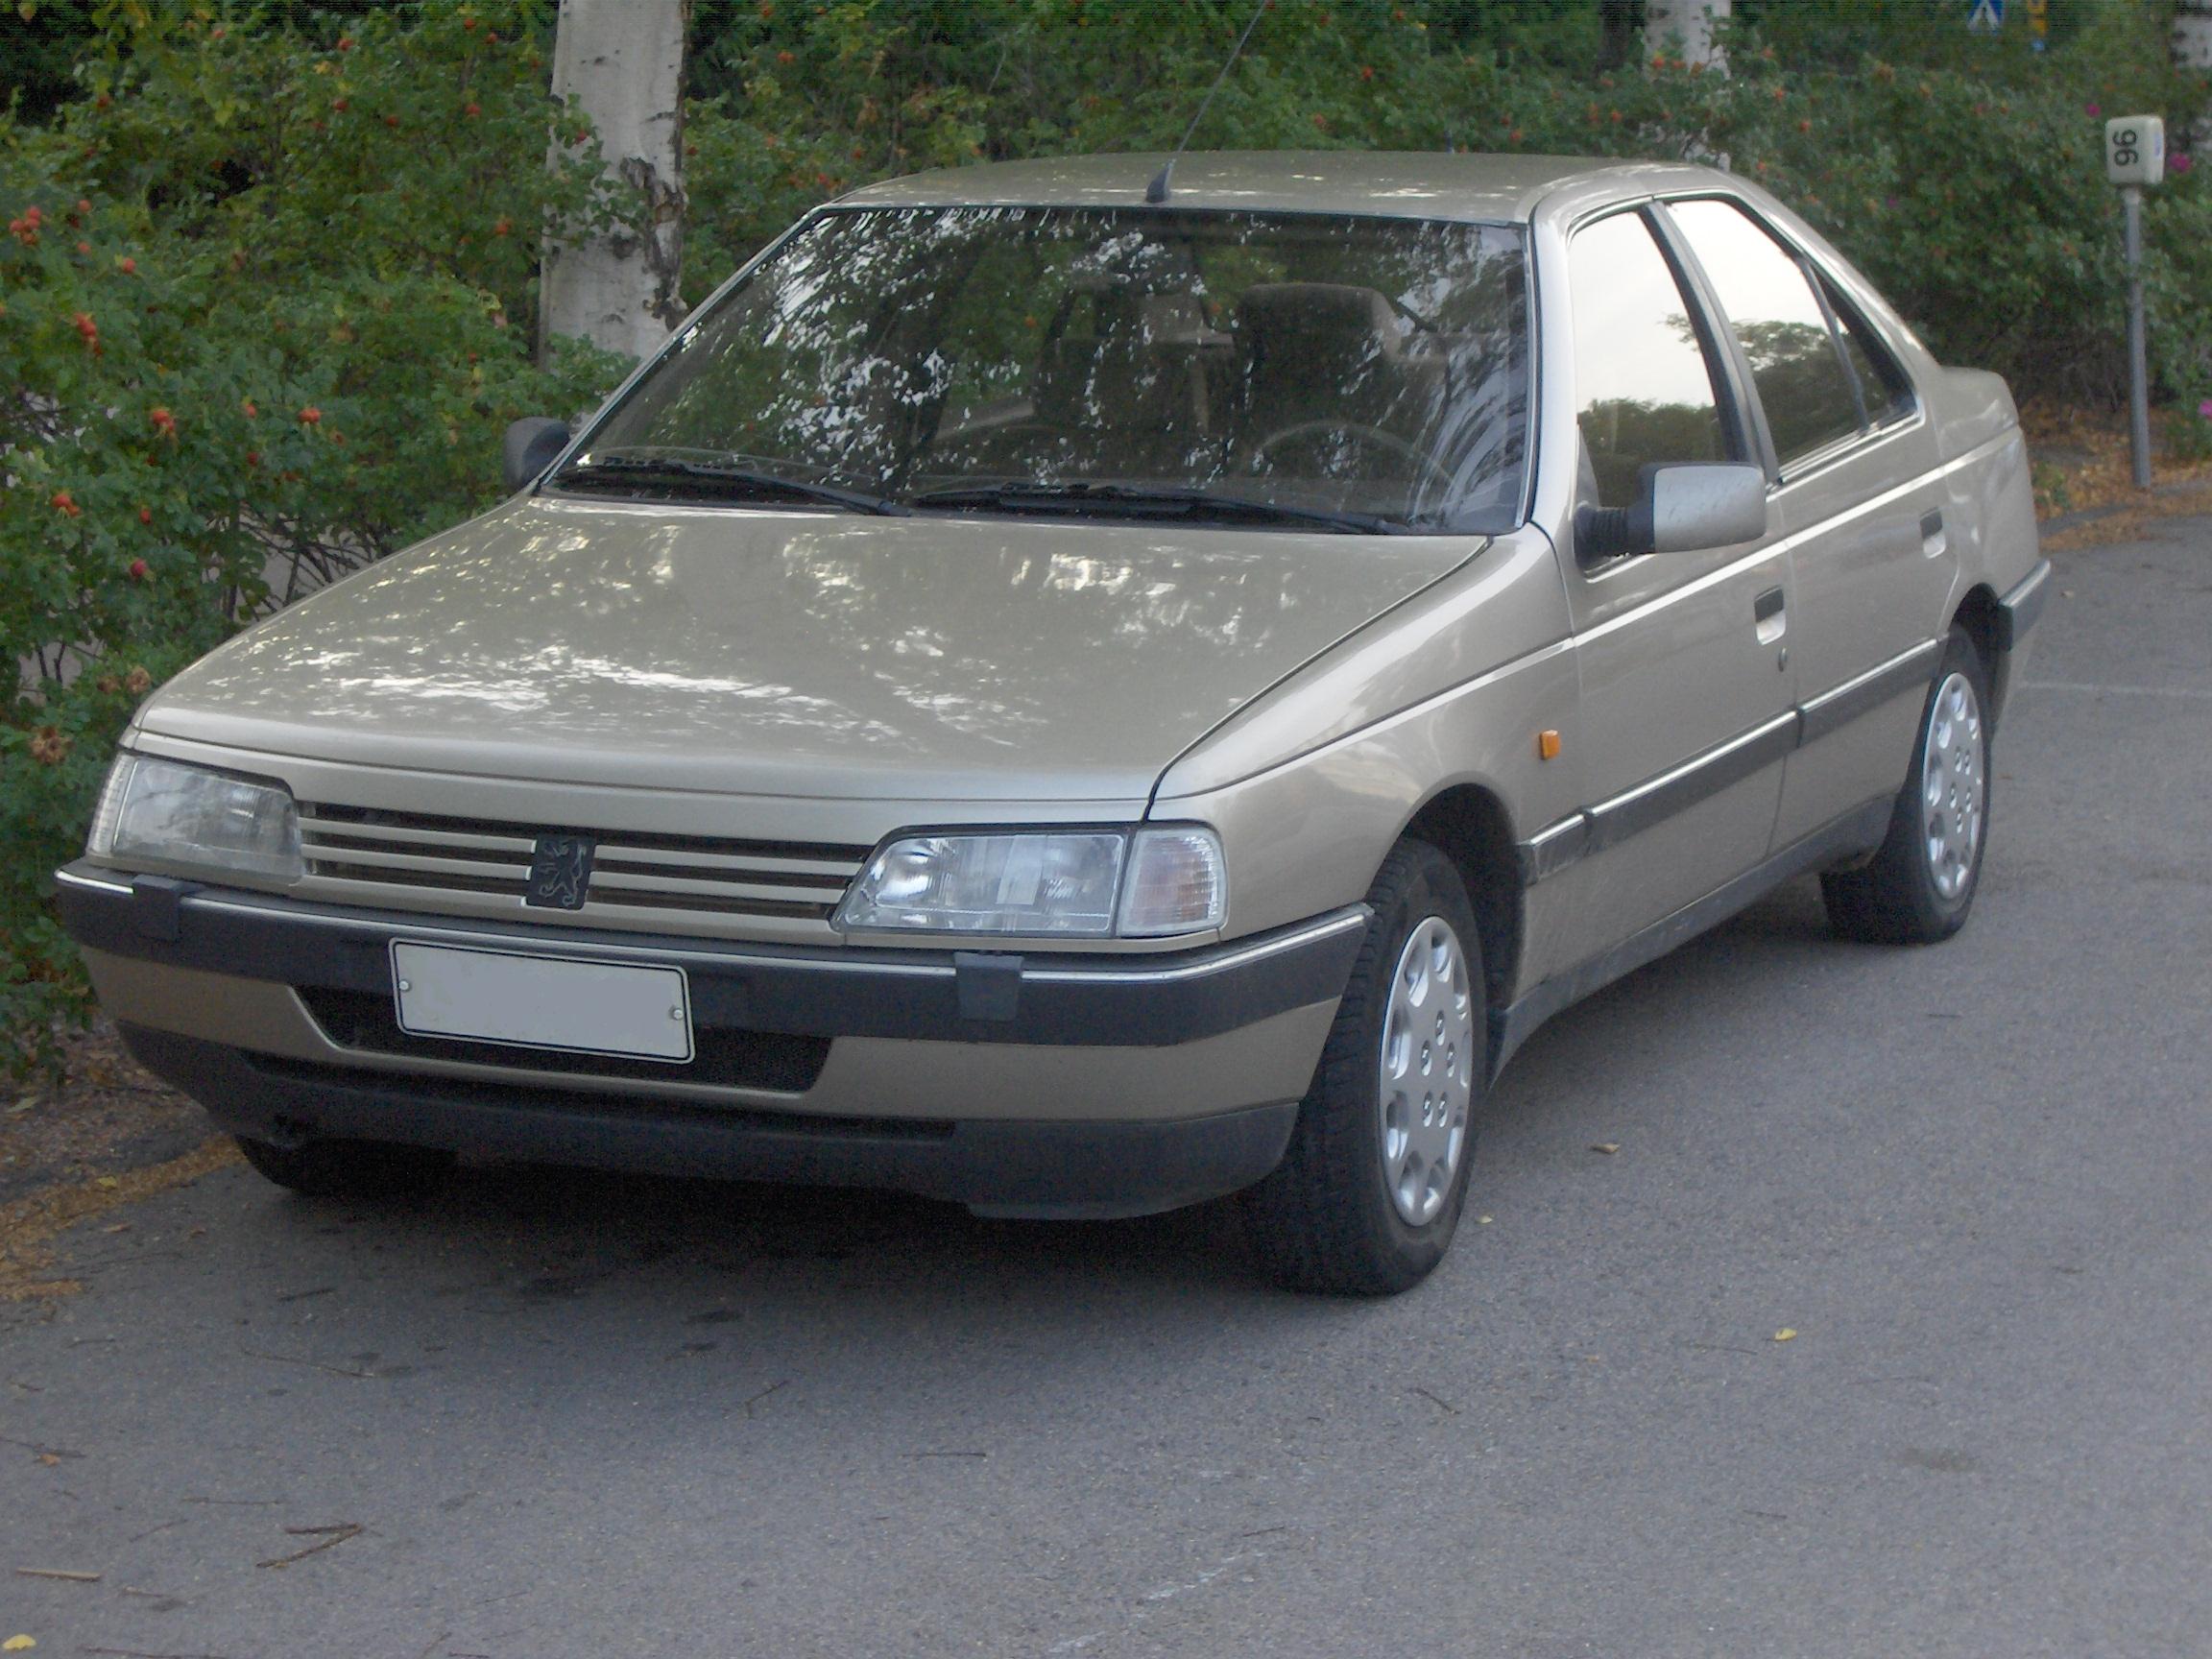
[[1548, 744]]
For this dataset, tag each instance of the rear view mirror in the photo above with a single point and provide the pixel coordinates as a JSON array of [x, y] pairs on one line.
[[1684, 508], [531, 444]]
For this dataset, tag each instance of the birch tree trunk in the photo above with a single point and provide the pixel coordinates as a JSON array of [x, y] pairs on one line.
[[2192, 55], [622, 63], [1685, 29]]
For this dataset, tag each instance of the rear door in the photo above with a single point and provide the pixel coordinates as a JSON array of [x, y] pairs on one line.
[[1685, 707], [1870, 559]]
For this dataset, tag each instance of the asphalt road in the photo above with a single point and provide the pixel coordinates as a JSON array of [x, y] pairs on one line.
[[577, 1416]]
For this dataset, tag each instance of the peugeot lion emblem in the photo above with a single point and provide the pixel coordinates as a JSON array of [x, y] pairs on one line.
[[560, 872]]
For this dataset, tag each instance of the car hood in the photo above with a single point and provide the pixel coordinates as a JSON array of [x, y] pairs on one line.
[[806, 654]]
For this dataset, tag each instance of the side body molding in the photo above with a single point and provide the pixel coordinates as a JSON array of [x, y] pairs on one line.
[[1608, 823]]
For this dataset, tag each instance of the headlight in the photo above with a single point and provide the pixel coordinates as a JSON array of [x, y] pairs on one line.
[[166, 813], [1096, 882]]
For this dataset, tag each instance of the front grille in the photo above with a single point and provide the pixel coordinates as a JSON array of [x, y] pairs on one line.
[[729, 1059], [633, 875]]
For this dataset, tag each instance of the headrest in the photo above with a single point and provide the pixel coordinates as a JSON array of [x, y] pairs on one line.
[[1304, 318]]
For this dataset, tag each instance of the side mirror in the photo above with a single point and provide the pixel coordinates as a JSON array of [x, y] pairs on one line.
[[1684, 508], [531, 444]]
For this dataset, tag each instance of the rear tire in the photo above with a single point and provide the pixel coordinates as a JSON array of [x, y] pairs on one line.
[[1919, 887], [1369, 1191], [349, 1169]]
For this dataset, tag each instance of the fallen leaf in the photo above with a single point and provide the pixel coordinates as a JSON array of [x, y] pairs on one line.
[[73, 1577], [1608, 1147], [23, 1105], [1784, 1334], [49, 1460], [18, 1645], [106, 1183], [1482, 1220]]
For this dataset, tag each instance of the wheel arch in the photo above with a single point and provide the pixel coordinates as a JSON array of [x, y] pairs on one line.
[[1468, 823], [1978, 614]]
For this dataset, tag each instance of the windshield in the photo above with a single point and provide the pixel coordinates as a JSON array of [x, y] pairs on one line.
[[1347, 373]]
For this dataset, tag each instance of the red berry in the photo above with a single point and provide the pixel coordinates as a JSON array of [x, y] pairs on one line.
[[127, 266], [84, 247], [248, 406], [139, 571], [339, 105], [391, 121], [145, 514], [87, 326], [66, 505], [83, 206], [252, 457], [310, 415], [472, 109]]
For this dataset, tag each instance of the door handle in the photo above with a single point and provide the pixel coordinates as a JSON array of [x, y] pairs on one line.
[[1767, 616], [1933, 540]]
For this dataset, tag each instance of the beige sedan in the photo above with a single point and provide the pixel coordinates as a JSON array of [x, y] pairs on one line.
[[1078, 704]]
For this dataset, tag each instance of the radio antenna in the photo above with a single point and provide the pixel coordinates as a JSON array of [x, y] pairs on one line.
[[1157, 191]]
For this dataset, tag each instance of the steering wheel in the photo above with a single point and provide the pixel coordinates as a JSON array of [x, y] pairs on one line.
[[1426, 469]]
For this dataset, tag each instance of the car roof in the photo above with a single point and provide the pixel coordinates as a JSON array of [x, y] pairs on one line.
[[1407, 184]]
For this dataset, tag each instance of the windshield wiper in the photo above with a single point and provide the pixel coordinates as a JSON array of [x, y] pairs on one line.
[[595, 471], [1144, 500]]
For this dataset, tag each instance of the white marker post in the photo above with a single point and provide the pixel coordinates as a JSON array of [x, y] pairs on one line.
[[2135, 156]]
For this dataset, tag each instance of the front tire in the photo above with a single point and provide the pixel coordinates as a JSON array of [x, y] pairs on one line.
[[1918, 888], [349, 1169], [1369, 1191]]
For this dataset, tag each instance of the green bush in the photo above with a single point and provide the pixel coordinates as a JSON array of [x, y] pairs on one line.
[[265, 309]]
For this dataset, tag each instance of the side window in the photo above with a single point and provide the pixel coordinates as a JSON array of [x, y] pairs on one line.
[[1888, 392], [1795, 367], [1645, 388]]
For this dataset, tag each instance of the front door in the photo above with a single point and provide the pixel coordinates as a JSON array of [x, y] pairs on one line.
[[1686, 698]]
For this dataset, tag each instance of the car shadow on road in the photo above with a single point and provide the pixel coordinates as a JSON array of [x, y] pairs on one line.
[[1611, 1043], [732, 1226]]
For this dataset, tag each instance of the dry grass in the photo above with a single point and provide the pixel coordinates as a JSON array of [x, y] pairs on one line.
[[110, 1115], [2083, 466], [28, 1225]]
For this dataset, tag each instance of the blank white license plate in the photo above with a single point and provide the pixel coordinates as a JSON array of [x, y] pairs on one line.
[[542, 1001]]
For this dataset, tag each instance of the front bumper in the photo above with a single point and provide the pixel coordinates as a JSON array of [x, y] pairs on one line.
[[1051, 1084]]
